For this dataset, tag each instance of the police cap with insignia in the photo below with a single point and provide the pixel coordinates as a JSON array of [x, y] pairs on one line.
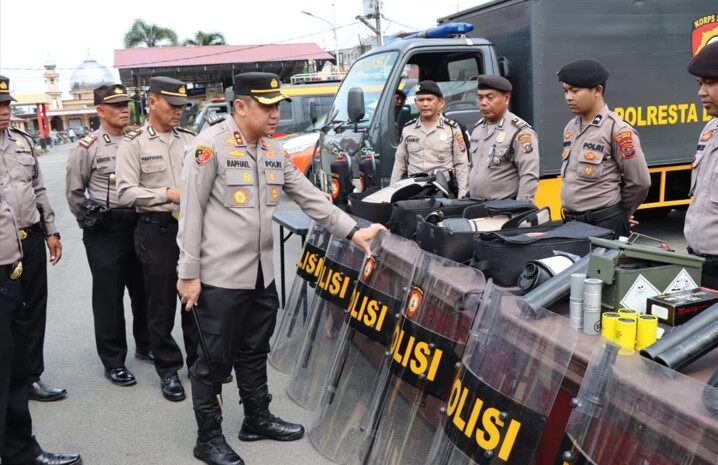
[[263, 87], [428, 87], [5, 90], [584, 73], [705, 63], [110, 93], [174, 91], [492, 81]]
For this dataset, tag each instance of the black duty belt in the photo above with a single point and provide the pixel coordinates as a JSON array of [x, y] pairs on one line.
[[24, 233], [123, 214], [161, 218], [12, 271], [703, 255], [594, 216]]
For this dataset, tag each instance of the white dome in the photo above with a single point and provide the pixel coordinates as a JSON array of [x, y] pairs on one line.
[[90, 74]]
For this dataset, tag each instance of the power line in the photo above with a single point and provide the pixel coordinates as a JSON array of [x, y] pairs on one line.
[[223, 52]]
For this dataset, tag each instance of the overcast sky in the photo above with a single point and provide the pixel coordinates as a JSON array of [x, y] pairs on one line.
[[33, 32]]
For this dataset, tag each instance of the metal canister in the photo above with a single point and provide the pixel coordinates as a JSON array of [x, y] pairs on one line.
[[628, 313], [608, 325], [591, 322], [626, 334], [647, 331], [577, 286], [592, 293], [575, 314]]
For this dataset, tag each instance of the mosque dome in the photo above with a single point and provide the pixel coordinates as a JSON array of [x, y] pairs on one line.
[[90, 74]]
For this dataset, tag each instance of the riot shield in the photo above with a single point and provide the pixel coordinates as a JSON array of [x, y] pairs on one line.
[[373, 312], [326, 317], [632, 411], [288, 336], [417, 371], [510, 375]]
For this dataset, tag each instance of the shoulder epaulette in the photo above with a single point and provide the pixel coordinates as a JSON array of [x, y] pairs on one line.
[[451, 122], [188, 131], [88, 140], [20, 131], [216, 118], [132, 134], [519, 123], [411, 121], [479, 122]]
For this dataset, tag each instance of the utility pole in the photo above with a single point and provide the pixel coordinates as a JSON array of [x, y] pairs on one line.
[[376, 16]]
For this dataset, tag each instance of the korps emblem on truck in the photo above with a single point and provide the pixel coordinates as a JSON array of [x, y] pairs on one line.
[[705, 31]]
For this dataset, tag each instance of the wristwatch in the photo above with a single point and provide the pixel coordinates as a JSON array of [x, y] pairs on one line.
[[56, 234], [351, 233]]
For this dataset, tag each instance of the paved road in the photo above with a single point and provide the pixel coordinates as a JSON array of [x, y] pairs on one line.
[[113, 425]]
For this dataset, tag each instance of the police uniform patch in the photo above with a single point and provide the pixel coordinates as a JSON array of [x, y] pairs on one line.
[[500, 137], [247, 177], [106, 138], [239, 197], [564, 153], [275, 193], [132, 134], [460, 140], [271, 176], [590, 156], [525, 142], [237, 153], [624, 139], [270, 154], [706, 136], [264, 144], [414, 302], [202, 155], [236, 139], [567, 135], [588, 170]]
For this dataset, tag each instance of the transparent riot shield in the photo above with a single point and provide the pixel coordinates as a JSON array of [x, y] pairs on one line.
[[510, 375], [288, 336], [632, 411], [327, 315], [417, 371], [373, 313]]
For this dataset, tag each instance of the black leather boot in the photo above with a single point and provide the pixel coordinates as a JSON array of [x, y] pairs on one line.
[[211, 446], [259, 423]]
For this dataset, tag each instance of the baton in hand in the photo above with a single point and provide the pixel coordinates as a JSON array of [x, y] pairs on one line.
[[206, 356]]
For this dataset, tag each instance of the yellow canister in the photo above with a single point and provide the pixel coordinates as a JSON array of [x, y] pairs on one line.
[[628, 313], [608, 325], [647, 331], [626, 334]]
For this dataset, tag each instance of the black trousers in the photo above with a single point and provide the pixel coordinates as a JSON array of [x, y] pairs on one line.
[[114, 266], [17, 444], [709, 275], [34, 286], [156, 247], [237, 325]]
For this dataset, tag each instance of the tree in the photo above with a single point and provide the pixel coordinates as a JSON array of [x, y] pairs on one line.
[[206, 38], [149, 35]]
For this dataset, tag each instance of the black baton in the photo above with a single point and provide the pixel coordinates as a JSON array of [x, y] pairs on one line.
[[206, 356]]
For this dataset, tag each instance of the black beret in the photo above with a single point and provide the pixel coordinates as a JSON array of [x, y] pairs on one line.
[[428, 87], [174, 91], [705, 63], [583, 73], [263, 87], [5, 90], [400, 93], [110, 93], [492, 81]]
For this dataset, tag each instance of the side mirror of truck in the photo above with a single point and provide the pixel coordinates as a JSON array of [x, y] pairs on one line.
[[313, 111], [355, 104], [504, 67]]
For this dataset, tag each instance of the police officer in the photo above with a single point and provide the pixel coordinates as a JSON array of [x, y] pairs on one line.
[[605, 176], [231, 183], [17, 444], [702, 216], [504, 148], [432, 141], [149, 165], [25, 192], [109, 244]]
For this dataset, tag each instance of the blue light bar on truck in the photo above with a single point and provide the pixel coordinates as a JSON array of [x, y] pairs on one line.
[[447, 30]]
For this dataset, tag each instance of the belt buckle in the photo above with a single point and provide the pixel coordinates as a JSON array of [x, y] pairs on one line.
[[16, 270], [22, 234]]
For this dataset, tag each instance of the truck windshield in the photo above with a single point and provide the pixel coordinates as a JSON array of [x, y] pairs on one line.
[[370, 74]]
